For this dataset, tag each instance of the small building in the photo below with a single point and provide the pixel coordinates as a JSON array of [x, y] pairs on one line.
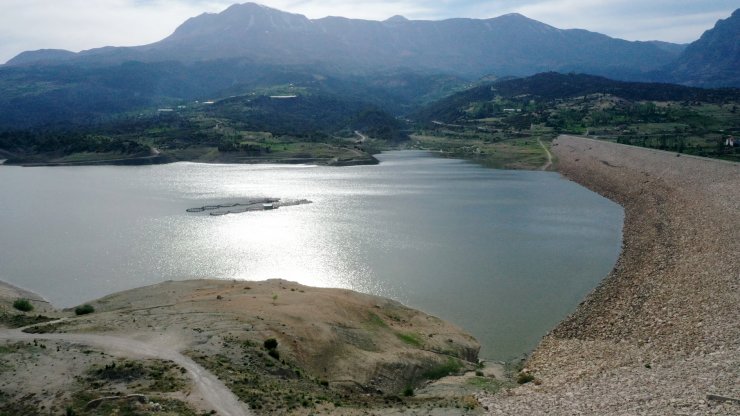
[[268, 206]]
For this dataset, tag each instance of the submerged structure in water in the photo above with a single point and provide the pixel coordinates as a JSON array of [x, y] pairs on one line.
[[260, 204]]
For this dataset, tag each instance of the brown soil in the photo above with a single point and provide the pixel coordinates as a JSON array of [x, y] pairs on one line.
[[335, 347]]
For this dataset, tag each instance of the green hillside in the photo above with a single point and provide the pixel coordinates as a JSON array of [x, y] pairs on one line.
[[663, 116]]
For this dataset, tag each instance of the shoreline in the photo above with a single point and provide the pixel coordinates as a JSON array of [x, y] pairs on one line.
[[159, 158], [154, 161], [660, 333]]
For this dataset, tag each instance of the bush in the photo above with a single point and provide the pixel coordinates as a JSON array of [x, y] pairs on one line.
[[524, 378], [84, 309], [443, 370], [408, 391], [274, 354], [23, 305], [271, 344]]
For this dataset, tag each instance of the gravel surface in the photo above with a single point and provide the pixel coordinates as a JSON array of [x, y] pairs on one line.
[[661, 334]]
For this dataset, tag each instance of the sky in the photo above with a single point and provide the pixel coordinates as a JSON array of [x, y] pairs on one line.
[[84, 24]]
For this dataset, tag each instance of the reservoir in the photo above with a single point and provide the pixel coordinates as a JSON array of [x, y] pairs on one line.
[[503, 254]]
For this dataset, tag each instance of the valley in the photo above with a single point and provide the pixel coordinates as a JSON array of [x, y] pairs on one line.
[[498, 124], [558, 208]]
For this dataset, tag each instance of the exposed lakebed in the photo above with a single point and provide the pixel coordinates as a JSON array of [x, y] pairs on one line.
[[504, 254]]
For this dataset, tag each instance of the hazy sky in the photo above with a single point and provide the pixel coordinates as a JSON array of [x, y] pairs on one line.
[[83, 24]]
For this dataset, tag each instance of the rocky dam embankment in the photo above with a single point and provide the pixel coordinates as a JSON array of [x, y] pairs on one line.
[[661, 334]]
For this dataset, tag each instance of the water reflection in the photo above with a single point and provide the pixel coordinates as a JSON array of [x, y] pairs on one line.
[[503, 254]]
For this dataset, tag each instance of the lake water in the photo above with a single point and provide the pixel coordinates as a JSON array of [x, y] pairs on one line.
[[503, 254]]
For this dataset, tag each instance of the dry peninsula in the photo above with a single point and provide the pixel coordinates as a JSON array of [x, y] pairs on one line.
[[230, 347]]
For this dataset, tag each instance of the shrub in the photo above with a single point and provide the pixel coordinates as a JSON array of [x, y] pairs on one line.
[[23, 305], [408, 391], [271, 344], [274, 354], [524, 378], [84, 309], [443, 370]]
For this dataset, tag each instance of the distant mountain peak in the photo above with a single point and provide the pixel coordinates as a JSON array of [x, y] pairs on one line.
[[237, 20], [714, 59], [41, 56], [514, 16], [516, 20], [396, 19], [249, 7]]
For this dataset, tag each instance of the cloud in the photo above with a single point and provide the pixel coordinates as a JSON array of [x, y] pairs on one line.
[[83, 24], [679, 21]]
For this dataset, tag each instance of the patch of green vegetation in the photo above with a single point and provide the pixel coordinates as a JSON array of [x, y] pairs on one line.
[[84, 309], [140, 376], [374, 321], [410, 338], [490, 151], [83, 157], [24, 407], [242, 129], [156, 405], [21, 320], [452, 366], [270, 344], [45, 329], [490, 385], [524, 377], [482, 123], [271, 386], [23, 305]]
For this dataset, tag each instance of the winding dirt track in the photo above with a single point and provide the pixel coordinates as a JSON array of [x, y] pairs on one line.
[[217, 396]]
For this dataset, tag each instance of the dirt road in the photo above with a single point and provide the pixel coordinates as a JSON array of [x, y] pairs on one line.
[[216, 395]]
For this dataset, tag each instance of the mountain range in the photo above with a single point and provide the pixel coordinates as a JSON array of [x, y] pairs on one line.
[[507, 45], [714, 59], [396, 63]]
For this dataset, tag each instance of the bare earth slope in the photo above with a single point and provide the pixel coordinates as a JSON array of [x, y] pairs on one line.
[[335, 350], [662, 331]]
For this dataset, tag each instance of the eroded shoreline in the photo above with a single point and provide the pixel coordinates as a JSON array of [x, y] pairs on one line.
[[660, 334]]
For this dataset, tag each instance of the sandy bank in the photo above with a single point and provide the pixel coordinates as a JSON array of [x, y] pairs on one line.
[[662, 331]]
